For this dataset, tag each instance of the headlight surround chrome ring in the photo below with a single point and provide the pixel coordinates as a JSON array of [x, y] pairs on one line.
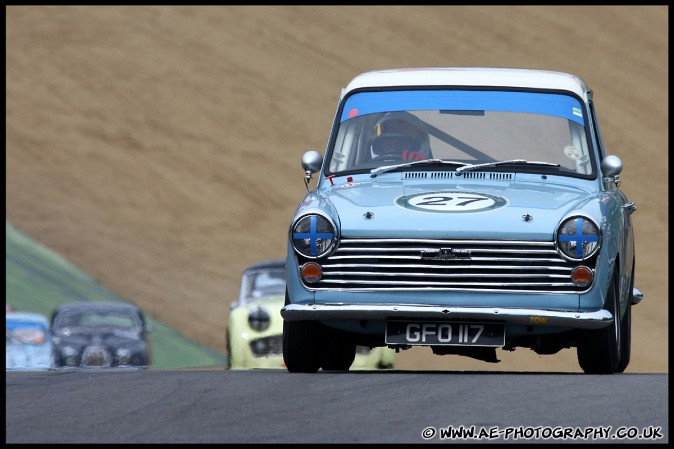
[[123, 356], [314, 236], [259, 319], [578, 238]]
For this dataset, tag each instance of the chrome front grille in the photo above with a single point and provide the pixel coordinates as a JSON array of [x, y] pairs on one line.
[[96, 356], [267, 346], [476, 265]]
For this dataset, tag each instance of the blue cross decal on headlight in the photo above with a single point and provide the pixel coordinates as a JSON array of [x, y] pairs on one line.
[[579, 238], [313, 236]]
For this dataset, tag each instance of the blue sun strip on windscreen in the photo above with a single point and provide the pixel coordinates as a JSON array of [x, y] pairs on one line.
[[559, 105], [10, 324]]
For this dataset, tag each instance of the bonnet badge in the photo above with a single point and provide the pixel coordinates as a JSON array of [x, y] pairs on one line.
[[445, 254]]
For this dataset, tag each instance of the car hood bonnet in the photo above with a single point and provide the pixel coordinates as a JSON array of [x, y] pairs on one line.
[[270, 303], [503, 210]]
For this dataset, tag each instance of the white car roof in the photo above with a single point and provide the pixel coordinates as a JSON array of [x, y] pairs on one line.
[[470, 76]]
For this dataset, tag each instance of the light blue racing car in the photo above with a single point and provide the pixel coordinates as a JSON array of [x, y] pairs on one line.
[[463, 209]]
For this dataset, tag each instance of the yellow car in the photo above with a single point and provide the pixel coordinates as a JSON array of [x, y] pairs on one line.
[[255, 325]]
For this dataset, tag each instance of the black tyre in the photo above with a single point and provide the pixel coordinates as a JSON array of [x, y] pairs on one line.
[[339, 351], [626, 329], [599, 350], [302, 346], [139, 360], [228, 363], [626, 337]]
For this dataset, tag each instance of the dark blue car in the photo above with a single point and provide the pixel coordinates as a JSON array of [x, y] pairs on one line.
[[100, 334]]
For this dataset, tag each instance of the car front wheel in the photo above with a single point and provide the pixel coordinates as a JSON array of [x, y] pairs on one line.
[[302, 346], [599, 350], [626, 328], [228, 362]]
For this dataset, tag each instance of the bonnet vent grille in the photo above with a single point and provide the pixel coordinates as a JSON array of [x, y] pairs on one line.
[[464, 175]]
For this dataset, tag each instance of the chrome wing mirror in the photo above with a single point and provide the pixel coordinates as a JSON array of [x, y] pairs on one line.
[[311, 163], [611, 167]]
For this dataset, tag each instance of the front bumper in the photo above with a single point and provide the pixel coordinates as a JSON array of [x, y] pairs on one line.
[[579, 320]]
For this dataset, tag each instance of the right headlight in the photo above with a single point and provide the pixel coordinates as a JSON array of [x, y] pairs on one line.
[[259, 319], [123, 356], [69, 355], [578, 238], [313, 236]]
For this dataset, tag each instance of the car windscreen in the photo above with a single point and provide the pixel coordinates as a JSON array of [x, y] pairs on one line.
[[99, 319], [262, 283], [466, 126]]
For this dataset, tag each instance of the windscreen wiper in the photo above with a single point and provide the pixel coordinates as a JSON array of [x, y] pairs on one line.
[[467, 167], [375, 171]]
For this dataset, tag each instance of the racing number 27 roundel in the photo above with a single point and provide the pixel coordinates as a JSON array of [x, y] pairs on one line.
[[451, 202]]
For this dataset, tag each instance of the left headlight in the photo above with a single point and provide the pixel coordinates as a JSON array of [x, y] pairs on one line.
[[259, 319], [578, 238], [313, 236], [123, 356]]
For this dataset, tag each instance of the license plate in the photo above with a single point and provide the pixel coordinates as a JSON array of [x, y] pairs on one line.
[[445, 333]]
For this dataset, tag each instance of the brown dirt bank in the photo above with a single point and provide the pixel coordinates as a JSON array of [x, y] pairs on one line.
[[158, 147]]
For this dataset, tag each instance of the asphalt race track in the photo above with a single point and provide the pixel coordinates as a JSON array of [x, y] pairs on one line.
[[274, 406]]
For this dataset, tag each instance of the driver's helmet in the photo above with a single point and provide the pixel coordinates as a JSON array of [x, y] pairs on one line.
[[396, 134]]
